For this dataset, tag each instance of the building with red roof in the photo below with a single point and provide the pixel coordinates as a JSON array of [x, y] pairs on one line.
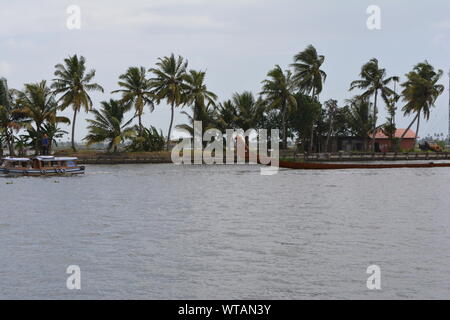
[[383, 144]]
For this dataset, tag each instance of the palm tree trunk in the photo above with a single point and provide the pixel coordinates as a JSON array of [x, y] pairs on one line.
[[170, 126], [140, 122], [417, 130], [374, 120], [9, 137], [73, 130], [409, 127], [284, 128], [311, 141]]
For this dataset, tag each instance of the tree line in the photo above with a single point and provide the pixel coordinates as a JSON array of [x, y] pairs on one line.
[[289, 100]]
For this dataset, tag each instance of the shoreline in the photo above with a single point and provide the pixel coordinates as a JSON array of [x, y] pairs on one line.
[[165, 157]]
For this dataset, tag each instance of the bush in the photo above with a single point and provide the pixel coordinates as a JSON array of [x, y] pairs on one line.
[[147, 140]]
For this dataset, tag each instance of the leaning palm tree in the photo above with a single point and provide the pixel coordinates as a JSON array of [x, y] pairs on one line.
[[9, 120], [278, 92], [169, 84], [136, 90], [307, 71], [374, 82], [309, 76], [420, 93], [108, 125], [74, 84], [197, 93], [37, 104]]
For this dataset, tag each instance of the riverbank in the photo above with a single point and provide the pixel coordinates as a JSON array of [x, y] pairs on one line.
[[98, 157]]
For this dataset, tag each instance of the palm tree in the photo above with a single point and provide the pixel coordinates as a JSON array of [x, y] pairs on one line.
[[309, 77], [374, 81], [421, 92], [332, 108], [136, 90], [37, 104], [74, 83], [360, 120], [225, 115], [249, 111], [169, 84], [197, 93], [108, 125], [307, 73], [9, 120], [279, 95]]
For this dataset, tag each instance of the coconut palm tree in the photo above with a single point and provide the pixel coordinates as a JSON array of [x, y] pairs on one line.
[[420, 92], [331, 109], [37, 104], [374, 82], [225, 116], [169, 84], [309, 76], [108, 124], [360, 120], [278, 92], [136, 90], [9, 120], [249, 111], [197, 93], [74, 85], [307, 71]]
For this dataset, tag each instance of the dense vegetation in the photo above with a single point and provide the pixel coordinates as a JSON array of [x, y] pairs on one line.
[[288, 100]]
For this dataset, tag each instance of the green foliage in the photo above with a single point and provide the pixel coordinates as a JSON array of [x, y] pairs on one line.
[[148, 140], [108, 125]]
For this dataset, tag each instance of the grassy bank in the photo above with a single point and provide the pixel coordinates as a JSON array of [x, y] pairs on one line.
[[98, 157]]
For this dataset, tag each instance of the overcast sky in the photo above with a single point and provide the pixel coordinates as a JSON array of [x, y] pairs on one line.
[[236, 41]]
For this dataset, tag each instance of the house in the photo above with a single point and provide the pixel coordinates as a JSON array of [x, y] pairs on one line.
[[383, 144]]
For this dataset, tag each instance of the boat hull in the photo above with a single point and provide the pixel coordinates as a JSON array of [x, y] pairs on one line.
[[43, 173], [343, 166]]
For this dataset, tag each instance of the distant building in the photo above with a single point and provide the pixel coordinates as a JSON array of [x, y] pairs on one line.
[[383, 144]]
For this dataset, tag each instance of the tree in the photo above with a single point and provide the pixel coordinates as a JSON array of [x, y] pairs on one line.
[[309, 77], [36, 104], [360, 119], [302, 119], [136, 90], [197, 93], [331, 109], [420, 92], [9, 120], [249, 111], [108, 125], [279, 95], [307, 73], [74, 84], [148, 140], [169, 84], [374, 81]]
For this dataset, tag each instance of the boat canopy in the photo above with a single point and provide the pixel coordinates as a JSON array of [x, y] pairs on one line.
[[51, 158], [16, 159]]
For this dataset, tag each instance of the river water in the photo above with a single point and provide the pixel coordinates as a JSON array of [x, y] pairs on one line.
[[226, 232]]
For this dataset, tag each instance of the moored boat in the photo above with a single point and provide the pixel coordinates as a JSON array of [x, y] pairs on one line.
[[342, 166], [41, 166]]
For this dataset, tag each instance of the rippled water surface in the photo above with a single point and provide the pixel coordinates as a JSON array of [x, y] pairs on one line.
[[215, 232]]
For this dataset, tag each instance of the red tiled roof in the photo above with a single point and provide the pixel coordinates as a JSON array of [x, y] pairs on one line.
[[398, 134]]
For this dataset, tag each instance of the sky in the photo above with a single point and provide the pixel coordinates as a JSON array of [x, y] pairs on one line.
[[235, 41]]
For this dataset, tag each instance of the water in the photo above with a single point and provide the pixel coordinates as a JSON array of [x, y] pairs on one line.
[[225, 232]]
